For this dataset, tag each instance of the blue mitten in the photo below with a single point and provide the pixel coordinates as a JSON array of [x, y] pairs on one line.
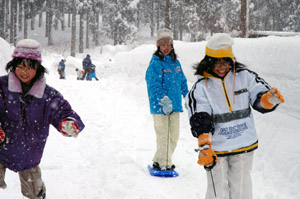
[[167, 105]]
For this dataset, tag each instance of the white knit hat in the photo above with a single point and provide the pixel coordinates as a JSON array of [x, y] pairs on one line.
[[164, 36], [220, 45]]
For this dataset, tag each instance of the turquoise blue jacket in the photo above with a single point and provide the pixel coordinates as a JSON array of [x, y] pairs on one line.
[[165, 78]]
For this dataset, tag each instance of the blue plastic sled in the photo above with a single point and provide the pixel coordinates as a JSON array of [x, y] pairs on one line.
[[163, 174]]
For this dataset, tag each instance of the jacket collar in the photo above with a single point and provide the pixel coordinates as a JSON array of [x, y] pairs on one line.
[[37, 90], [208, 75], [166, 57]]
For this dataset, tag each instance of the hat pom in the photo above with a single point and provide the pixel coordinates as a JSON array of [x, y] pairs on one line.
[[220, 40], [164, 36], [220, 45], [28, 49]]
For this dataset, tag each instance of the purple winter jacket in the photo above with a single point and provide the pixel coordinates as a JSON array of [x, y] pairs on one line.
[[26, 120]]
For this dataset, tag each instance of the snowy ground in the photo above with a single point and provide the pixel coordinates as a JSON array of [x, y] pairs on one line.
[[109, 159]]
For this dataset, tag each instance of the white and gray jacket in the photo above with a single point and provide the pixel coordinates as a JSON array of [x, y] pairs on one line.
[[229, 102]]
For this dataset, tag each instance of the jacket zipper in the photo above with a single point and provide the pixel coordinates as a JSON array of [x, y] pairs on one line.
[[226, 95], [23, 107]]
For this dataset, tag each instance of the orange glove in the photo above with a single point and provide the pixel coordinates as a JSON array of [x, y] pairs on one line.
[[271, 98], [207, 156]]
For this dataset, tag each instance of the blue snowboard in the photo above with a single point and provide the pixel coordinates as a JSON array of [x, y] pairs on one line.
[[163, 174]]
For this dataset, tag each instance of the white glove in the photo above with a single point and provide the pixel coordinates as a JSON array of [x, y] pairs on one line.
[[69, 128]]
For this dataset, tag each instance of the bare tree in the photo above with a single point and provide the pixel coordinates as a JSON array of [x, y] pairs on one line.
[[26, 11], [152, 24], [158, 14], [138, 15], [7, 17], [50, 29], [87, 44], [47, 19], [13, 21], [62, 20], [2, 18], [20, 18], [243, 17], [73, 34], [81, 14], [33, 13], [40, 19], [167, 14]]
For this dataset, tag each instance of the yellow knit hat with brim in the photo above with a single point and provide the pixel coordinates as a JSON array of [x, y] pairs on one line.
[[220, 46]]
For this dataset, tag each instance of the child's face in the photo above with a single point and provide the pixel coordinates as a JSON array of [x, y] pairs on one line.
[[221, 68], [166, 48], [25, 72]]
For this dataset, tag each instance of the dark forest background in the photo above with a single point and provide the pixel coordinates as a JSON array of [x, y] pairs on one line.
[[99, 22]]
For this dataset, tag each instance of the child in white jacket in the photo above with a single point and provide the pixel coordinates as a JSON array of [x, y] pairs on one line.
[[219, 107]]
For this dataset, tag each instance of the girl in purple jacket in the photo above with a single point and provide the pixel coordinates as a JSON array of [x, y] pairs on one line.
[[27, 108]]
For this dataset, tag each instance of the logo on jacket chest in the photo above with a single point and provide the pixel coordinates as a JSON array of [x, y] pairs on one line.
[[177, 69], [233, 131]]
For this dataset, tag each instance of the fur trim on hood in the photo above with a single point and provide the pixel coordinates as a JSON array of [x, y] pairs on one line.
[[37, 89]]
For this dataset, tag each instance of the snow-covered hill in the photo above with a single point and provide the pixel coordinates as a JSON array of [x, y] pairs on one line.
[[109, 158]]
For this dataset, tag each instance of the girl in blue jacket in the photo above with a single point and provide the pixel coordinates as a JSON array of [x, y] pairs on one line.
[[27, 108], [166, 83]]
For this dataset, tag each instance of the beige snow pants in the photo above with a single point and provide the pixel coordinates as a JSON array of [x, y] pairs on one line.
[[2, 175], [231, 177], [167, 135], [32, 185]]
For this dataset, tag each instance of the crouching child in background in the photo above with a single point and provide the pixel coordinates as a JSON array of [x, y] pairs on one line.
[[79, 73]]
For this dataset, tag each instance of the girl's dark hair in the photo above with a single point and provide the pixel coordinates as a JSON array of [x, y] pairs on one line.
[[207, 64], [40, 69], [160, 55]]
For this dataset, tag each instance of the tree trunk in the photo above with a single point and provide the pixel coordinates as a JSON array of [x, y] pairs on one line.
[[181, 23], [243, 18], [152, 23], [20, 15], [57, 14], [96, 30], [50, 39], [2, 17], [40, 19], [15, 21], [69, 20], [167, 14], [11, 31], [32, 22], [138, 15], [62, 10], [73, 33], [158, 15], [7, 17], [87, 44], [47, 19], [81, 32], [25, 26]]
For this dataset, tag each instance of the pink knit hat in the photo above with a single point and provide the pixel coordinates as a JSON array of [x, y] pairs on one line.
[[28, 49]]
